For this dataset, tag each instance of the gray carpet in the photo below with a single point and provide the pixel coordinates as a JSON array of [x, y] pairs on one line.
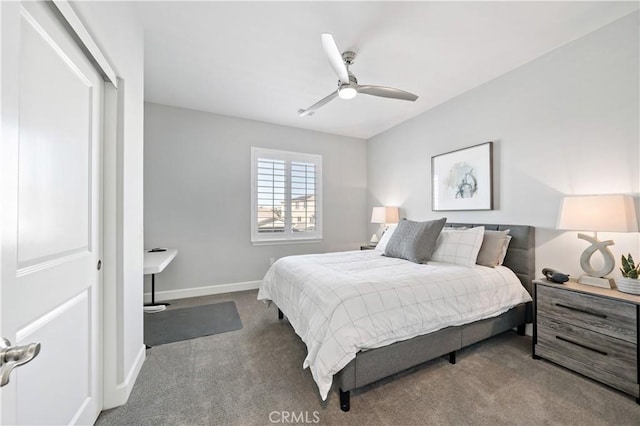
[[175, 325], [242, 378]]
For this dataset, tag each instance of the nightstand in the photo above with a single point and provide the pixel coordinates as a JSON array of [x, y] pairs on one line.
[[590, 330], [367, 247]]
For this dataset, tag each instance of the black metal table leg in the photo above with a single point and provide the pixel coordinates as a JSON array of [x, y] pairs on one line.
[[153, 294]]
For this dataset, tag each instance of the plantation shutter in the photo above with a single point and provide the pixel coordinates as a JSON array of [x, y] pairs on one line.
[[271, 195], [286, 196], [303, 196]]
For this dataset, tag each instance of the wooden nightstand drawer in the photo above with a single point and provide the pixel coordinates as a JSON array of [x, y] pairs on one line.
[[631, 387], [610, 317], [602, 352]]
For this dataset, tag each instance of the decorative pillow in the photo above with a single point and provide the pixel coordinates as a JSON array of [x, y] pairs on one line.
[[459, 247], [414, 241], [382, 244], [494, 248]]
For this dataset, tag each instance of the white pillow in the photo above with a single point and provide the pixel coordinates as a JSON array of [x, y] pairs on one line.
[[382, 244], [459, 247]]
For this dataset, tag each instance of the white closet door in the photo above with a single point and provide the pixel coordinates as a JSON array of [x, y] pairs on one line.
[[51, 225]]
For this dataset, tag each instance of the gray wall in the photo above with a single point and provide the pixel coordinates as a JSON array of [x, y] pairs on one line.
[[565, 123], [197, 194]]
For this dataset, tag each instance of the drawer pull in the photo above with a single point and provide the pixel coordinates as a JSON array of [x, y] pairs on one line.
[[584, 311], [564, 339]]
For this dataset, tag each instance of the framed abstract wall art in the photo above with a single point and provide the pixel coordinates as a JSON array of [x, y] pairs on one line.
[[463, 179]]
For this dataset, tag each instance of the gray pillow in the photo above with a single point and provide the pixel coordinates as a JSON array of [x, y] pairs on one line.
[[494, 248], [414, 241]]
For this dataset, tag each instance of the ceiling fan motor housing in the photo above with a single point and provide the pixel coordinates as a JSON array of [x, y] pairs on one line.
[[352, 80], [348, 57]]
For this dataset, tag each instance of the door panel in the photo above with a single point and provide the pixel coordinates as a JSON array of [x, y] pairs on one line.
[[62, 331], [51, 289], [55, 131], [38, 283]]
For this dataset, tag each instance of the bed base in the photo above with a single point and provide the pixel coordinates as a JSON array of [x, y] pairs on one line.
[[376, 364]]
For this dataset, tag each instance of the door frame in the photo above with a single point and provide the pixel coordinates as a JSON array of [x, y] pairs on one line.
[[116, 387], [110, 333]]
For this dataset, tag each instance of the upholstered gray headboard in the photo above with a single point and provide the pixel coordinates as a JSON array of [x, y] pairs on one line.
[[521, 254]]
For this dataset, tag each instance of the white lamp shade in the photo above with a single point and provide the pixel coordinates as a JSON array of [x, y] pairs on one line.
[[607, 213], [384, 215]]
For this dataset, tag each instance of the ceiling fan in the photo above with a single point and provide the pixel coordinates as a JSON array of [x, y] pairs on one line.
[[348, 86]]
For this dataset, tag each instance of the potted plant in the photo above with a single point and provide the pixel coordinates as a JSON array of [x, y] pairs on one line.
[[629, 282]]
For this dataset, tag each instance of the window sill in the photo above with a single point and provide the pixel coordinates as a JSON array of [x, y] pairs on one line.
[[281, 242]]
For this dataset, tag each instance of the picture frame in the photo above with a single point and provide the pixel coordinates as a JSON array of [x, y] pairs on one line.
[[463, 179]]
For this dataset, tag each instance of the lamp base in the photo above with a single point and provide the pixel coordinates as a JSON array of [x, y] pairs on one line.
[[596, 281]]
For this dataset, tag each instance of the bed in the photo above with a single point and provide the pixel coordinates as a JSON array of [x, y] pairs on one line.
[[346, 308]]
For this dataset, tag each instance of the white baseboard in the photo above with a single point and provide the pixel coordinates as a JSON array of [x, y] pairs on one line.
[[120, 394], [203, 291]]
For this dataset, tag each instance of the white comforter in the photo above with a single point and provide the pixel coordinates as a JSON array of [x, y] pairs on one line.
[[341, 303]]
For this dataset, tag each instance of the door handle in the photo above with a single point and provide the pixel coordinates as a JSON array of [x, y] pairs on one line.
[[14, 356]]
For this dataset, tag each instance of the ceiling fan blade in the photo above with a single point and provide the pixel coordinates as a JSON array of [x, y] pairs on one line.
[[387, 92], [335, 57], [314, 107]]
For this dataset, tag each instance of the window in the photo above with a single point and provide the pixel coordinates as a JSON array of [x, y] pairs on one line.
[[286, 196]]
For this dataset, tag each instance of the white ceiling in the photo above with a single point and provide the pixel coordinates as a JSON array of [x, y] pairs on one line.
[[264, 60]]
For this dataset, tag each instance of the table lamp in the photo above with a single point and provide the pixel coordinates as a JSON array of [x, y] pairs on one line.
[[384, 216], [606, 213]]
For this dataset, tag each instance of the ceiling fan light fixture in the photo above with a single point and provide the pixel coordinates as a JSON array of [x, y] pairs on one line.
[[347, 92]]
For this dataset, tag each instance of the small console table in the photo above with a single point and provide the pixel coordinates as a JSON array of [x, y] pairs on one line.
[[155, 260]]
